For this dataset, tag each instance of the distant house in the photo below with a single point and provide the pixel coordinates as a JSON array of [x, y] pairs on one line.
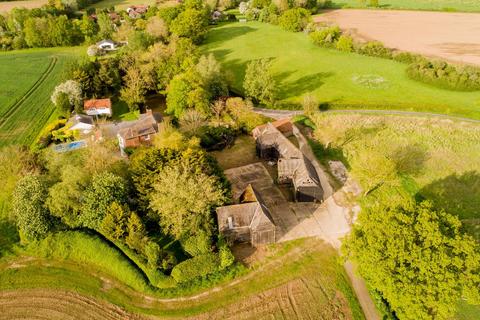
[[248, 221], [138, 132], [272, 144], [138, 11], [83, 123], [98, 107], [107, 45]]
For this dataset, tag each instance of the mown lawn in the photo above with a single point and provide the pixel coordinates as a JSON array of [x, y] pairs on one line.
[[28, 78], [339, 80], [433, 5], [121, 4]]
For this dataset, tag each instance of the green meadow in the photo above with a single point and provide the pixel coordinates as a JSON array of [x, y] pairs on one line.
[[28, 78], [339, 80]]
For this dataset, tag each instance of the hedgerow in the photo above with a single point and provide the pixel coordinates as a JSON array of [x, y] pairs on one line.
[[196, 267]]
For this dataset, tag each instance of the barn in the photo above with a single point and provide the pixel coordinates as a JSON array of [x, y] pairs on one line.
[[248, 221]]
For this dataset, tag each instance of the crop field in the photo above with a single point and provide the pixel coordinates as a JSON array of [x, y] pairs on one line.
[[339, 80], [434, 5], [451, 36], [28, 78], [6, 6], [122, 4], [297, 280]]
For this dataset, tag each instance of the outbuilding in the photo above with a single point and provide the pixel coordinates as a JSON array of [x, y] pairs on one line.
[[98, 107]]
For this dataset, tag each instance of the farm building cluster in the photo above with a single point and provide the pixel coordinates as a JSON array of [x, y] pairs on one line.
[[250, 219]]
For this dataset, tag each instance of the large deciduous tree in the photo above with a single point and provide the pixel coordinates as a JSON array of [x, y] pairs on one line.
[[183, 199], [28, 207], [191, 23], [259, 83], [417, 258]]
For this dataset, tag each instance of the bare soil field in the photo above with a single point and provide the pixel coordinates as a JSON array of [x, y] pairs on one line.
[[29, 4], [451, 36], [56, 304]]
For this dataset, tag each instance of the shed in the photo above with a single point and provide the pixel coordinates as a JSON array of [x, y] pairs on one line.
[[249, 221], [81, 122]]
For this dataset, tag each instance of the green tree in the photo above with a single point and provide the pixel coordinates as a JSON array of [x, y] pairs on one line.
[[417, 258], [63, 104], [212, 77], [178, 92], [191, 23], [104, 189], [105, 26], [136, 235], [295, 19], [115, 223], [134, 89], [183, 199], [259, 83], [198, 244], [154, 254], [28, 208], [88, 28]]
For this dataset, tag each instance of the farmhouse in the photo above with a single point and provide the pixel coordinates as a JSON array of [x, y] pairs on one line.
[[294, 168], [107, 45], [249, 221], [82, 123], [135, 12], [98, 107], [138, 132]]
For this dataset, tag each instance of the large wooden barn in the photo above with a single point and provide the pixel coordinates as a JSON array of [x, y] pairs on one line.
[[294, 168], [248, 221]]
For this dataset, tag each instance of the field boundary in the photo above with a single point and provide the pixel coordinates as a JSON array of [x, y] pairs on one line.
[[29, 92]]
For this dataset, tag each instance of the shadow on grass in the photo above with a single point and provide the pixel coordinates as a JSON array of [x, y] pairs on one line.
[[300, 86], [457, 194], [218, 34], [8, 237]]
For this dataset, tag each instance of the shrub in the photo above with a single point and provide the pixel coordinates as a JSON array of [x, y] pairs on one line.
[[196, 267], [444, 75], [45, 137], [294, 19], [326, 37], [406, 57], [216, 138], [375, 49], [345, 43], [259, 83], [198, 244]]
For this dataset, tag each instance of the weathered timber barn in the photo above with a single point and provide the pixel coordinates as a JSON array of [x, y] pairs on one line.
[[249, 221], [293, 167]]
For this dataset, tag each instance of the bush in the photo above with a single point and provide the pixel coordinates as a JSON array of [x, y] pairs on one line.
[[216, 138], [294, 19], [45, 137], [406, 57], [375, 49], [196, 267], [326, 37], [198, 244], [444, 75], [345, 43]]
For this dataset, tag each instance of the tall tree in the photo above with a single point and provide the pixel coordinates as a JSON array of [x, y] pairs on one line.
[[28, 207], [259, 83], [417, 258]]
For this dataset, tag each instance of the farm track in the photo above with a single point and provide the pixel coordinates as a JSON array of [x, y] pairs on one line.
[[14, 107]]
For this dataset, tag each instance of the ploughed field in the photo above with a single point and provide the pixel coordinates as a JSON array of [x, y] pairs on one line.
[[6, 6], [338, 79], [452, 36], [28, 78]]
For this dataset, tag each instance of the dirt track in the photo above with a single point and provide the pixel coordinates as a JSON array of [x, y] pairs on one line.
[[452, 36]]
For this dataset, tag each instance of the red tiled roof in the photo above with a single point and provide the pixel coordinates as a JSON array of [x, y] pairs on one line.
[[97, 103]]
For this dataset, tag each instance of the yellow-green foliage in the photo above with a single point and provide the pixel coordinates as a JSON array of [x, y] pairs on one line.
[[433, 158]]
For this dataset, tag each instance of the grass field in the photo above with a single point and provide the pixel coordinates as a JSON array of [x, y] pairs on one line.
[[436, 5], [339, 80], [302, 277], [122, 4], [28, 78]]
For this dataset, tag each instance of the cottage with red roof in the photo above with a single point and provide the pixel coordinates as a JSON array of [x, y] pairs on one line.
[[98, 107]]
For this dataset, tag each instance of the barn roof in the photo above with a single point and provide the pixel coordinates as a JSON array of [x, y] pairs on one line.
[[271, 136], [252, 214]]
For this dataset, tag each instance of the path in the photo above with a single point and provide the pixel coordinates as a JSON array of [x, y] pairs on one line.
[[447, 35], [279, 114]]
